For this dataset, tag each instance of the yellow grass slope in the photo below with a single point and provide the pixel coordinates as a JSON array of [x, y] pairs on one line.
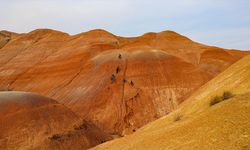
[[197, 124]]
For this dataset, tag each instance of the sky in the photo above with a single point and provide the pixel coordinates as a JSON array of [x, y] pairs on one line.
[[223, 23]]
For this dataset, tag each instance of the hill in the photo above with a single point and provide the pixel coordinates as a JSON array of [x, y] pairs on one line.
[[119, 84], [216, 116], [31, 121]]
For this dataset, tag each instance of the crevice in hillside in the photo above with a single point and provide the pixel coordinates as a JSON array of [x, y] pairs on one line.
[[126, 105], [129, 109], [124, 77], [122, 103]]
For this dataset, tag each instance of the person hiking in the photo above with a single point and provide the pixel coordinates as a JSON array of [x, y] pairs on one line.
[[120, 56], [112, 78], [131, 83], [118, 69]]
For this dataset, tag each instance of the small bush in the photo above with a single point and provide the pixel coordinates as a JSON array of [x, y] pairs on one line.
[[177, 117], [227, 95], [103, 141], [217, 99]]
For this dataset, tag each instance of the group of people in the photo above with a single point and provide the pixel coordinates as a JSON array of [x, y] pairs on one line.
[[118, 69]]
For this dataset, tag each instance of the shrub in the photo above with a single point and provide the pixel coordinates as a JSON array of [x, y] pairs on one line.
[[227, 95], [215, 100], [103, 141], [177, 117]]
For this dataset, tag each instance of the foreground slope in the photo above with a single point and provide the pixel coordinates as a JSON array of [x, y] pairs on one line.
[[117, 83], [27, 120], [198, 123]]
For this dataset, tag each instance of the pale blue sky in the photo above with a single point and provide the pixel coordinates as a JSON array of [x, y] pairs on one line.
[[223, 23]]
